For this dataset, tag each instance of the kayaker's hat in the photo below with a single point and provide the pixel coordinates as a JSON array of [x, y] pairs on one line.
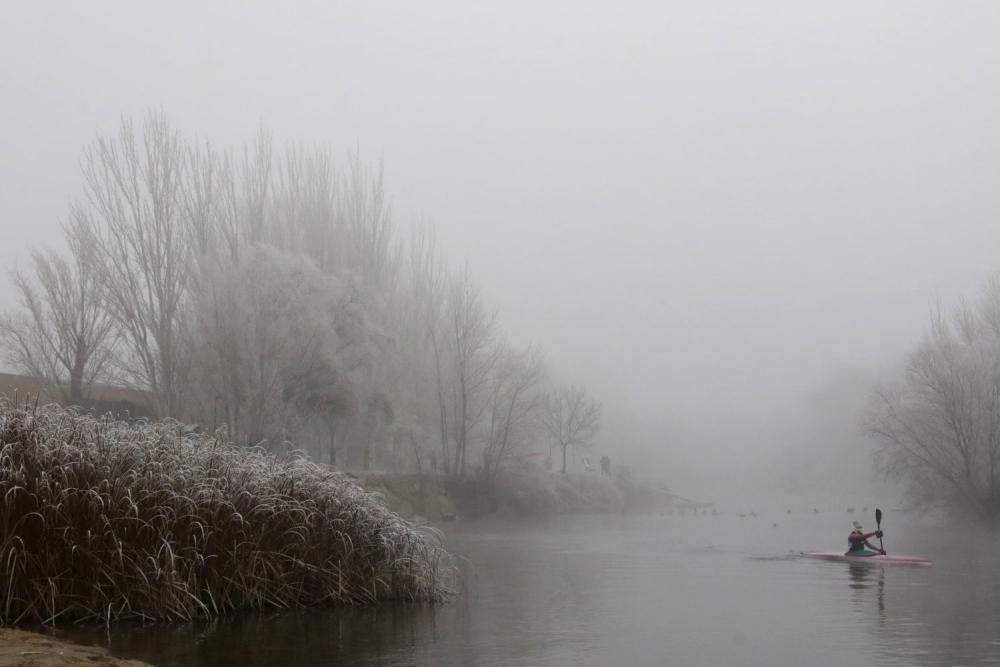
[[858, 528]]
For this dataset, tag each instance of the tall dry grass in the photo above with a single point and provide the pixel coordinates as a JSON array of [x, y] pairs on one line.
[[103, 520]]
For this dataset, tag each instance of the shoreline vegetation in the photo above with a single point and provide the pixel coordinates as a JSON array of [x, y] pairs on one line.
[[104, 519], [523, 493], [107, 520]]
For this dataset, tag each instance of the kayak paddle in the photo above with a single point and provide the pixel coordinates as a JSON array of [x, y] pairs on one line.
[[878, 524]]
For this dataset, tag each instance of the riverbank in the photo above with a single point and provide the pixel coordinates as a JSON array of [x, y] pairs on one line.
[[21, 648], [523, 493]]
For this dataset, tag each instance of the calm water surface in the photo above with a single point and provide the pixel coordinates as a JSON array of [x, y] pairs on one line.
[[642, 590]]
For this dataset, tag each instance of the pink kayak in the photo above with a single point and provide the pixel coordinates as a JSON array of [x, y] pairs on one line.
[[888, 558]]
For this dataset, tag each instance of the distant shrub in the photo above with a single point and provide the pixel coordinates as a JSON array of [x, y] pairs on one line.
[[589, 493], [527, 493], [103, 519], [539, 492]]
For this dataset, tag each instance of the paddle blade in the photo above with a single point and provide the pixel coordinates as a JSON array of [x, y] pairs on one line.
[[878, 517]]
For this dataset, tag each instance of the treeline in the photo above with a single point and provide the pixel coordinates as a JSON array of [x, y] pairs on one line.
[[938, 423], [266, 295]]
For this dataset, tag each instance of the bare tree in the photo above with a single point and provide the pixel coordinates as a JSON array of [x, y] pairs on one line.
[[571, 419], [305, 207], [471, 350], [62, 332], [512, 403], [256, 179], [426, 280], [200, 199], [134, 188], [365, 220], [939, 425]]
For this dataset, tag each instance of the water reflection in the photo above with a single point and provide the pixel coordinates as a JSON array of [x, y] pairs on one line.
[[379, 635], [864, 576]]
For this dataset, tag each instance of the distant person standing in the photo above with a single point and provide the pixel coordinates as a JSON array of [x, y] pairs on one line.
[[605, 465]]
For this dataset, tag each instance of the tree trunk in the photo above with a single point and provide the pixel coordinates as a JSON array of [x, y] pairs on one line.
[[564, 447], [368, 446], [442, 408], [76, 382], [333, 444], [463, 433], [416, 455]]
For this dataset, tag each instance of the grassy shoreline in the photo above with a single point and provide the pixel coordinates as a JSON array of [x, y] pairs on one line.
[[522, 493], [104, 520]]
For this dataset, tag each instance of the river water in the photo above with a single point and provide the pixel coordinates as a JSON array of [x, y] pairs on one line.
[[642, 590]]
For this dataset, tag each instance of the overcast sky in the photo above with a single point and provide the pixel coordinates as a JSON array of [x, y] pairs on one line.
[[701, 210]]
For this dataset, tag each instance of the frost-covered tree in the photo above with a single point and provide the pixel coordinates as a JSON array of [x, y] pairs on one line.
[[939, 424], [265, 345]]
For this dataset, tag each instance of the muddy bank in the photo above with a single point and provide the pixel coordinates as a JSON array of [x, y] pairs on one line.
[[31, 649]]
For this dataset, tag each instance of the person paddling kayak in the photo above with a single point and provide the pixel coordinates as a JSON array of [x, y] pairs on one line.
[[858, 541]]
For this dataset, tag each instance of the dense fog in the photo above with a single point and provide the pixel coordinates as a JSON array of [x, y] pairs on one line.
[[728, 223]]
